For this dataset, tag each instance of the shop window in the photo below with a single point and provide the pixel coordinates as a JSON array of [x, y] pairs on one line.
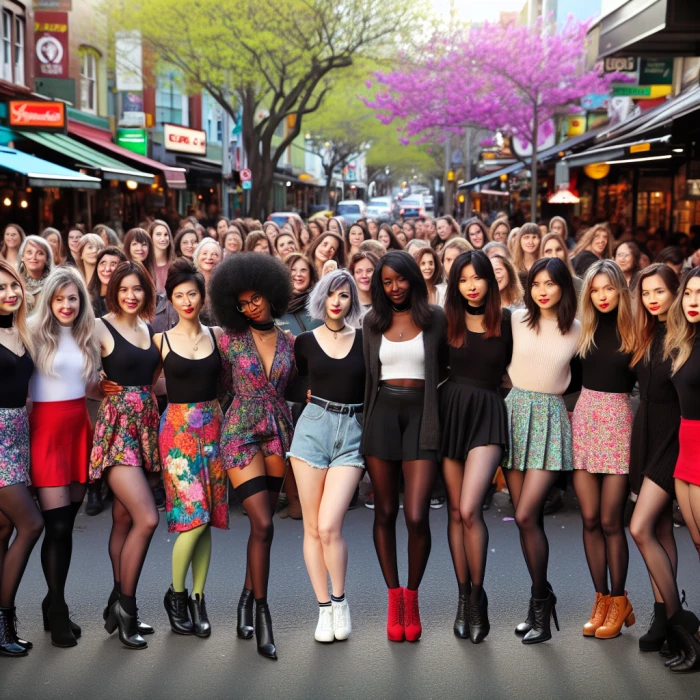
[[169, 98], [13, 45], [88, 81], [19, 51], [7, 45]]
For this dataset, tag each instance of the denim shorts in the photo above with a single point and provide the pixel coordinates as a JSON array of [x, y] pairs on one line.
[[325, 439]]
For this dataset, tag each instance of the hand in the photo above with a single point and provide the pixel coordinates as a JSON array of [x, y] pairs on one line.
[[109, 388], [329, 266]]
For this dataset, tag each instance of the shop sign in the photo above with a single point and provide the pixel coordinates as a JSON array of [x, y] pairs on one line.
[[180, 139], [642, 92], [45, 116], [62, 5], [656, 71], [134, 140], [597, 171], [640, 148], [247, 184], [51, 44], [593, 102], [620, 64]]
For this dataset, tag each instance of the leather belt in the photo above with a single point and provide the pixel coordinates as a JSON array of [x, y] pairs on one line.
[[344, 409]]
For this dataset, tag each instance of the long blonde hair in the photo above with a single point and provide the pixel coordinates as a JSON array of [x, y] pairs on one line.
[[45, 328], [588, 237], [680, 335], [20, 316], [589, 315]]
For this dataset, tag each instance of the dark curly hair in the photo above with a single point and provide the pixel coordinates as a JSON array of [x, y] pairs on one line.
[[255, 271]]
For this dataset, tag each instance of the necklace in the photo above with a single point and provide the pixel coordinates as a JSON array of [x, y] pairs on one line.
[[195, 342], [475, 310], [264, 337], [334, 331]]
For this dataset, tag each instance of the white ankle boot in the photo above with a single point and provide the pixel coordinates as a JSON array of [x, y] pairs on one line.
[[341, 620], [324, 628]]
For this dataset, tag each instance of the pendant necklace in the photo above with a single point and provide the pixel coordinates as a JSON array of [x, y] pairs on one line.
[[333, 330]]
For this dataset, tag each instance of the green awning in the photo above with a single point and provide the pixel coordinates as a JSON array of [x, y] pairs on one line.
[[86, 157]]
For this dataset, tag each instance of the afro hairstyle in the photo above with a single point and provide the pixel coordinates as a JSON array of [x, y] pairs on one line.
[[248, 271]]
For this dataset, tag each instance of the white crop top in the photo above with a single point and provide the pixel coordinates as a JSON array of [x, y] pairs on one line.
[[404, 360], [68, 382]]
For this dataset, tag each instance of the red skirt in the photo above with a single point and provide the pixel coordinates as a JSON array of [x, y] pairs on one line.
[[60, 440], [688, 464]]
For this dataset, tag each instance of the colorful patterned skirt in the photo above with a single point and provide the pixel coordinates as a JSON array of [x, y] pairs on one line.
[[539, 432], [196, 485], [14, 447], [688, 464], [602, 428], [126, 432]]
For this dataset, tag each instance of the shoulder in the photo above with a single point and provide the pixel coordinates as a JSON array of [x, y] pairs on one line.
[[218, 332], [517, 317], [303, 340], [439, 318], [576, 328]]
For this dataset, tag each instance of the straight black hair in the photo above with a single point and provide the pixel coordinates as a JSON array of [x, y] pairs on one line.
[[560, 275]]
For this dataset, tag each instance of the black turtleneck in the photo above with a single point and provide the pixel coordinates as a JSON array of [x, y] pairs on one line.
[[605, 368], [687, 383], [6, 320]]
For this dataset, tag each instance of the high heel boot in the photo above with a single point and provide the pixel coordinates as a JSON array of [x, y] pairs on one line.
[[45, 605], [59, 624], [479, 625], [619, 613], [128, 632], [141, 627], [244, 628], [8, 643], [655, 636], [263, 631], [198, 613], [13, 622], [526, 626], [544, 609], [598, 615], [395, 629], [176, 606], [683, 627], [461, 626], [412, 622]]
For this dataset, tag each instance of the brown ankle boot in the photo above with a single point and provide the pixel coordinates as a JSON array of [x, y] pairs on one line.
[[600, 610], [619, 613]]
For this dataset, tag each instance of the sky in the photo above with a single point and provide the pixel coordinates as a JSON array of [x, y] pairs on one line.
[[477, 10]]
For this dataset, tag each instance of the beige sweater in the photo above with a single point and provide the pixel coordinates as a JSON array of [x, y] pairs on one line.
[[541, 355]]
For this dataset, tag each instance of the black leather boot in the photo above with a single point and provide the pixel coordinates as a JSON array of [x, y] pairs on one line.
[[94, 499], [8, 642], [263, 632], [59, 624], [178, 614], [128, 633], [45, 605], [200, 619], [683, 628], [461, 626], [13, 622], [654, 638], [142, 627], [543, 610], [244, 628], [524, 627], [479, 625]]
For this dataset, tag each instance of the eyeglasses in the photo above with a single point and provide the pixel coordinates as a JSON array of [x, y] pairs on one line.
[[255, 301]]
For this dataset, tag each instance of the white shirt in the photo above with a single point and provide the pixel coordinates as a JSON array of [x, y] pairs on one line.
[[68, 382], [403, 360]]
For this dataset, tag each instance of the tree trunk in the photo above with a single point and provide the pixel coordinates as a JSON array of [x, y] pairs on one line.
[[533, 168]]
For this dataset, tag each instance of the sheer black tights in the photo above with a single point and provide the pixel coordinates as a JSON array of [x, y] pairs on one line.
[[419, 479], [260, 508]]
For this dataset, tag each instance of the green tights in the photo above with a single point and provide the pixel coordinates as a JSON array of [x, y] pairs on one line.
[[192, 547]]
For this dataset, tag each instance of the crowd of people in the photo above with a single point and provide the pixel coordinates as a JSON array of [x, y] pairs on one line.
[[260, 357]]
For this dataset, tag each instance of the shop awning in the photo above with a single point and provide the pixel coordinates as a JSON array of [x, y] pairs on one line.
[[87, 157], [174, 177], [42, 173], [494, 175], [603, 154]]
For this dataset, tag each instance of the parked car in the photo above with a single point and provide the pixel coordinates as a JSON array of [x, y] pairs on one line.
[[281, 217], [412, 207], [381, 208], [351, 210]]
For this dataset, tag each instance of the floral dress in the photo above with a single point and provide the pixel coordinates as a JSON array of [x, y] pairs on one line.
[[258, 418]]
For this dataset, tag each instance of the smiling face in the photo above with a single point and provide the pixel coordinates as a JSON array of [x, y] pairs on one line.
[[553, 249], [472, 287], [327, 249], [624, 258], [161, 237], [604, 295], [545, 291], [396, 287], [105, 268], [656, 296], [443, 229], [356, 236], [188, 244], [338, 303], [384, 239], [286, 245], [476, 236], [12, 238], [234, 242], [363, 275], [691, 300], [501, 273], [131, 295], [254, 306], [34, 259], [74, 236], [187, 300], [138, 250], [427, 266], [530, 242], [89, 254], [10, 294], [209, 257], [65, 304], [500, 233], [599, 242], [301, 276]]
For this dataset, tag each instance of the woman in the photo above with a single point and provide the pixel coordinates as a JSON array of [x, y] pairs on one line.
[[35, 265], [185, 243], [163, 256], [493, 248], [328, 246], [545, 339], [272, 230], [476, 233], [325, 452], [558, 225], [357, 233], [233, 240], [258, 242], [387, 238], [89, 248], [316, 227], [362, 268], [655, 447], [474, 425], [595, 244], [248, 291], [296, 320], [18, 512], [109, 236], [602, 430], [627, 257], [553, 246], [53, 237], [401, 238], [125, 449], [673, 257], [107, 261], [75, 233], [285, 245], [336, 225], [196, 487], [447, 229], [222, 224], [12, 238], [499, 231], [509, 286], [373, 227], [526, 249], [408, 227], [431, 269], [67, 360], [207, 255], [138, 247], [452, 250], [404, 349]]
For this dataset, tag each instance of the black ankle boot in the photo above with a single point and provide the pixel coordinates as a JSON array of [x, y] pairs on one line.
[[263, 632], [198, 612], [128, 633], [524, 627], [479, 625], [461, 626], [683, 628], [45, 605], [59, 624], [543, 610], [655, 636], [176, 607], [13, 622], [8, 642], [244, 628], [94, 502]]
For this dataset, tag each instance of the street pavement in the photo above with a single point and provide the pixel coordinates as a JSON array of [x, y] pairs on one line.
[[367, 665]]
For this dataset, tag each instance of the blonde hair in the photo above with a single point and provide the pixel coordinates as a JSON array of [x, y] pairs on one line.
[[588, 237], [589, 315], [87, 238], [680, 335], [20, 316], [45, 328], [39, 242], [517, 250]]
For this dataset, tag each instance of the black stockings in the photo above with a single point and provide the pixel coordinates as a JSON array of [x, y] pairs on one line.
[[17, 512], [602, 500], [419, 479]]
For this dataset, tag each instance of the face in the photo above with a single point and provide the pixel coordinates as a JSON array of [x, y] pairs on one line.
[[529, 243], [427, 266], [106, 266], [543, 229], [443, 229], [599, 242], [209, 257], [161, 237], [691, 299], [407, 229], [604, 295], [34, 259], [55, 242], [356, 236], [338, 303], [334, 226], [476, 236], [429, 229], [131, 295], [553, 249], [327, 249], [186, 300], [545, 291], [188, 244], [396, 287], [74, 237], [557, 226], [65, 304], [447, 260], [254, 306], [221, 227], [285, 245], [363, 275], [501, 273], [138, 250], [402, 239], [624, 258], [12, 238], [10, 294], [383, 238], [234, 243], [472, 287], [500, 234], [656, 296], [301, 276], [314, 229], [89, 254], [373, 228], [262, 246], [306, 234], [271, 231]]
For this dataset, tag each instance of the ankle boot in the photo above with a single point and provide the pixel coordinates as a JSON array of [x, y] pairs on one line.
[[620, 613], [142, 627], [412, 623], [8, 643], [244, 628], [461, 626], [683, 627], [198, 612], [543, 609], [600, 610], [128, 632], [526, 626], [59, 624], [176, 606], [395, 628], [263, 632], [45, 605], [479, 625], [655, 636], [13, 622]]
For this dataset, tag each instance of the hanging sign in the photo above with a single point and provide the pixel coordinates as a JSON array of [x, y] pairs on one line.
[[51, 44]]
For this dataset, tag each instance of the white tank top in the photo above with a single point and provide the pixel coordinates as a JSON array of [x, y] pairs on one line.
[[404, 360], [68, 382]]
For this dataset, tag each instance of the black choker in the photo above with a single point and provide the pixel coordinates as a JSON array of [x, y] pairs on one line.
[[475, 310], [6, 320], [334, 331], [404, 307], [265, 326]]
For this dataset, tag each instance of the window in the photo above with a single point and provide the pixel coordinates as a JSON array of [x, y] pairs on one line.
[[7, 45], [88, 81], [19, 51], [169, 98]]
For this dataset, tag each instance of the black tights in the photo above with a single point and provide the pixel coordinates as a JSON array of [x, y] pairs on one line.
[[18, 512], [529, 491], [419, 479], [602, 500]]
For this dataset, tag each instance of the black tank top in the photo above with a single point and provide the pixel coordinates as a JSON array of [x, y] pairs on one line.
[[191, 381], [128, 364], [15, 372]]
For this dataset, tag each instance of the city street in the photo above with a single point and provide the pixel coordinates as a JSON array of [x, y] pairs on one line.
[[367, 666]]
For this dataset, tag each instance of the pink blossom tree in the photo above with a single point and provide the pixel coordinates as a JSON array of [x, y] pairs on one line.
[[511, 79]]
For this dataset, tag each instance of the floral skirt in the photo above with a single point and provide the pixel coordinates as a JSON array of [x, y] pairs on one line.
[[196, 485], [126, 432], [14, 447], [602, 429], [540, 432]]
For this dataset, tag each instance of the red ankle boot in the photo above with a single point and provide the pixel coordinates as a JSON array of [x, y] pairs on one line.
[[411, 615], [394, 625]]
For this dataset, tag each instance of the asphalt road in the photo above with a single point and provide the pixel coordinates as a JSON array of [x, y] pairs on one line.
[[367, 665]]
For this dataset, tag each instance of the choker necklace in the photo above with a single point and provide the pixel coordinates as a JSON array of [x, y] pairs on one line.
[[400, 309], [265, 326], [475, 310], [333, 330], [6, 321]]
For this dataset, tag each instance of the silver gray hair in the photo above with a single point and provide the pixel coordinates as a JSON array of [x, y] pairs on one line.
[[39, 242], [316, 305], [201, 246]]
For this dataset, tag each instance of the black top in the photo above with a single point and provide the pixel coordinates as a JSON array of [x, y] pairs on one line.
[[15, 372], [687, 383], [483, 361], [605, 368], [128, 364], [341, 381], [99, 306], [582, 261], [192, 381], [654, 376]]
